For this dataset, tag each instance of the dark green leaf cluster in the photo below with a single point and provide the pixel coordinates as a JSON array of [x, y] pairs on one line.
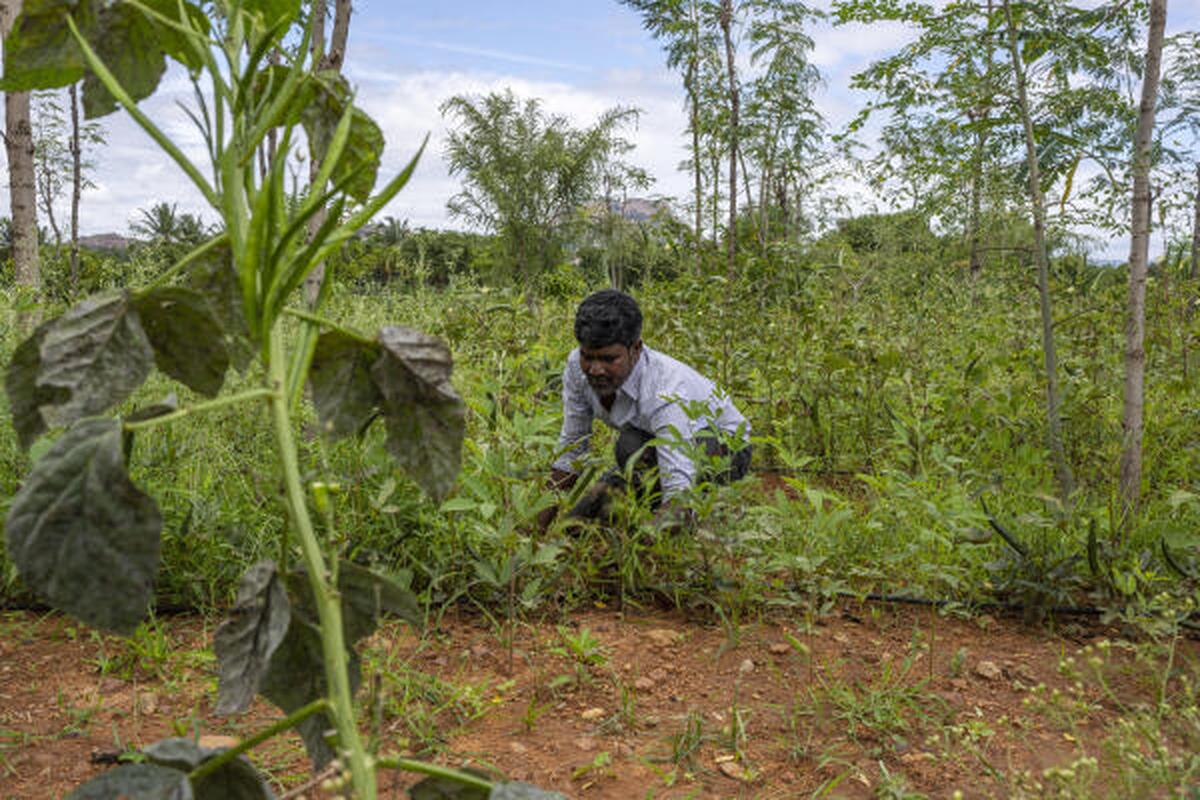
[[403, 375], [271, 641], [42, 53], [167, 774]]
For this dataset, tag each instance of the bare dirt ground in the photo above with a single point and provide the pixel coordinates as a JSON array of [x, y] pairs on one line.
[[851, 706]]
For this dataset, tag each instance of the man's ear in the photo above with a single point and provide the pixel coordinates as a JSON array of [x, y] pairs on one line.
[[635, 351]]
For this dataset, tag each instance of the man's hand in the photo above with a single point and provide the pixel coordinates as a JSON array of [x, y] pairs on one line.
[[674, 517], [559, 481]]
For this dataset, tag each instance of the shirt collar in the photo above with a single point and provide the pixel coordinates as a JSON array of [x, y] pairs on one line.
[[633, 384]]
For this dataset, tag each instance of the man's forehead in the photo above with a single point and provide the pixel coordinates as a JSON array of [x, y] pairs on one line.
[[615, 349]]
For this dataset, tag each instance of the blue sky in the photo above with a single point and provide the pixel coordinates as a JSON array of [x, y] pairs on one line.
[[581, 57]]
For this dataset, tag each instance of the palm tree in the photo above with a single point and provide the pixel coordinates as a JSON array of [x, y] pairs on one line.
[[161, 223]]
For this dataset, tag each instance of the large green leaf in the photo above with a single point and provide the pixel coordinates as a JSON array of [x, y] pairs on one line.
[[173, 41], [137, 782], [213, 275], [39, 52], [245, 642], [234, 780], [82, 535], [97, 353], [25, 398], [296, 677], [363, 149], [188, 341], [342, 390], [128, 44], [423, 413], [366, 596]]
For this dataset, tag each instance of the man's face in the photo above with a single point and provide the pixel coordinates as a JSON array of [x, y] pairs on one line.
[[607, 367]]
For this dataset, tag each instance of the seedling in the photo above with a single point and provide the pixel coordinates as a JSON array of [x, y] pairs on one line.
[[583, 649]]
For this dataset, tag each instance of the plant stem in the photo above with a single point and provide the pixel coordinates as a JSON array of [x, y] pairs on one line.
[[329, 611], [211, 405], [317, 319], [425, 768], [291, 720], [185, 262]]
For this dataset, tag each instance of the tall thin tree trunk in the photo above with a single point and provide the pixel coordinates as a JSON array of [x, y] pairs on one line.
[[47, 201], [22, 182], [330, 58], [716, 195], [694, 102], [726, 20], [764, 202], [1189, 304], [976, 259], [1139, 250], [1195, 271], [1054, 439], [76, 185], [693, 89], [977, 158]]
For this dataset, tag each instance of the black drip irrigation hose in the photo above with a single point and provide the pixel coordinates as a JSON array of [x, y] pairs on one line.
[[179, 610]]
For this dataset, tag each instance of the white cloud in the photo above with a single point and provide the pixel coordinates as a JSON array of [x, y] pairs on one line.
[[406, 108]]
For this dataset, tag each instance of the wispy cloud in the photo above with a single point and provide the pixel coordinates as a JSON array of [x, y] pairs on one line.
[[481, 52]]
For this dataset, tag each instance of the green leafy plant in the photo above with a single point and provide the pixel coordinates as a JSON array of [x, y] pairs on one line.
[[82, 534], [583, 649]]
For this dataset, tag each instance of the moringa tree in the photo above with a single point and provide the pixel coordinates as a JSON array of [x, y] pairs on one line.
[[947, 127], [679, 24], [1037, 201], [526, 172], [782, 125], [60, 139], [1139, 251]]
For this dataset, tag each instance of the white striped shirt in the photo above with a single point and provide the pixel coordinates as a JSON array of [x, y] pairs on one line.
[[648, 400]]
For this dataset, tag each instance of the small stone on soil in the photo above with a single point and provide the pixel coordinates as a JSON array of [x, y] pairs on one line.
[[585, 743], [731, 769], [663, 637], [747, 666], [644, 684], [147, 703], [110, 685], [780, 649], [987, 670], [592, 714]]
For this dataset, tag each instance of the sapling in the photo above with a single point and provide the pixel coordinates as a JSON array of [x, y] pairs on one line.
[[81, 533]]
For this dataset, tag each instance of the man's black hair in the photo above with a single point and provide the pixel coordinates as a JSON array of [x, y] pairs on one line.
[[608, 317]]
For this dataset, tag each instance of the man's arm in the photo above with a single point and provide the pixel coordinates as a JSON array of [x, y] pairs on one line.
[[576, 434]]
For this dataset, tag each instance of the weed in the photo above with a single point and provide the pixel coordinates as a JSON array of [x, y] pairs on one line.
[[883, 706], [596, 767], [583, 650], [894, 786]]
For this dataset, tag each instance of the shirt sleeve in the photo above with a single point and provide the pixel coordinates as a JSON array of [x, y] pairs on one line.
[[576, 434], [676, 471]]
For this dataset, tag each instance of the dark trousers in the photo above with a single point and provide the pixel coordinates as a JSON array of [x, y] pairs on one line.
[[634, 443]]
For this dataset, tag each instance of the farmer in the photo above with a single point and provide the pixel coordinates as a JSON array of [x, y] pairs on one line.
[[648, 397]]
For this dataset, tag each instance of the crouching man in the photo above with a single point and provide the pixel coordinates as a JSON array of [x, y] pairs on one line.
[[646, 396]]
